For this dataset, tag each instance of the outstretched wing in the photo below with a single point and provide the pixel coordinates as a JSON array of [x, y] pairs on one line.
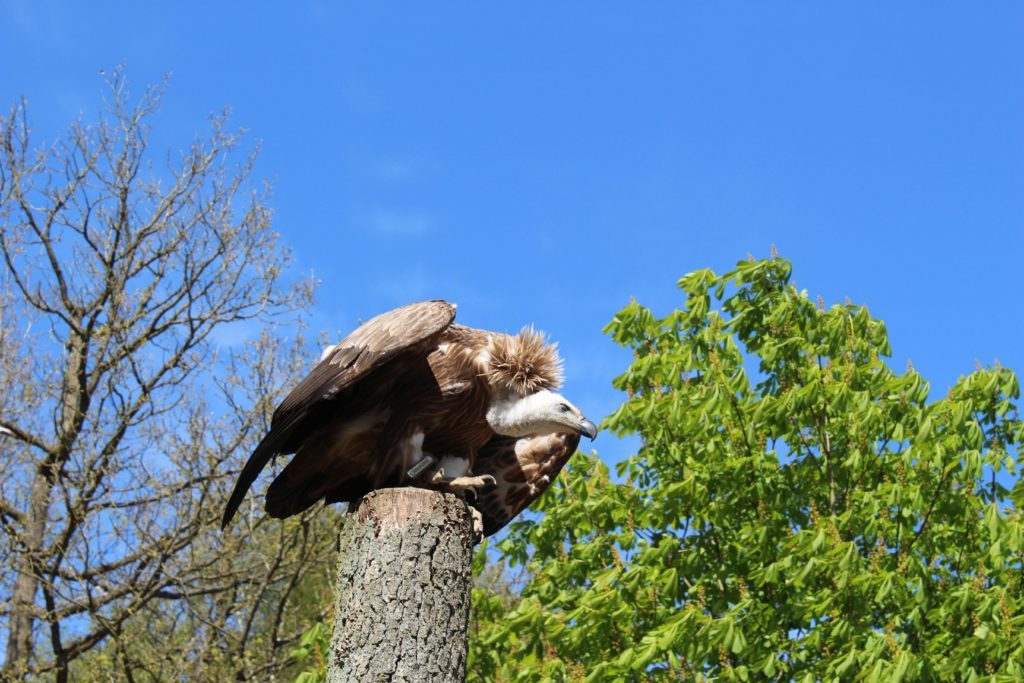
[[412, 328], [523, 468]]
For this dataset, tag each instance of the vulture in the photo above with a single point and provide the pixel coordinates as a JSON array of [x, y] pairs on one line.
[[410, 398]]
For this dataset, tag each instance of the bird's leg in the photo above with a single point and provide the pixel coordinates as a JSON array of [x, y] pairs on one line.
[[466, 483], [457, 478], [464, 486]]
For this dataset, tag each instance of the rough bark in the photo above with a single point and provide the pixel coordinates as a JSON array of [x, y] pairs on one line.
[[23, 608], [74, 404], [404, 580]]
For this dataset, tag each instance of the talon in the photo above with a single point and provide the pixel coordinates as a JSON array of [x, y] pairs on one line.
[[438, 476], [470, 483], [478, 523]]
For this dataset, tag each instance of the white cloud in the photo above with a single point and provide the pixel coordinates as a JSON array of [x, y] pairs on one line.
[[393, 170], [359, 97], [237, 333], [399, 170], [399, 223], [40, 20]]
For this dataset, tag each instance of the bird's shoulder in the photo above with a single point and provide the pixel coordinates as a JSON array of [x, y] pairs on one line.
[[378, 341]]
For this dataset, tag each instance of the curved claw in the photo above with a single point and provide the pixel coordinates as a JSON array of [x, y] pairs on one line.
[[478, 524], [470, 483]]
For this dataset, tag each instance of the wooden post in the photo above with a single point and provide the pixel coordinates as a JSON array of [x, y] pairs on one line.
[[404, 581]]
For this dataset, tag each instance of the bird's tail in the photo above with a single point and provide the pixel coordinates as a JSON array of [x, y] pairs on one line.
[[267, 449]]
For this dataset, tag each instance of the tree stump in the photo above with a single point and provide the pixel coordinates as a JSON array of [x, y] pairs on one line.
[[403, 592]]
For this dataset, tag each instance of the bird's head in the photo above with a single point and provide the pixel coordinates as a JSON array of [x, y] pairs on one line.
[[542, 412]]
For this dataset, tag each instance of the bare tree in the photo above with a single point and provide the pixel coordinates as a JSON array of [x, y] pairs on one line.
[[121, 416]]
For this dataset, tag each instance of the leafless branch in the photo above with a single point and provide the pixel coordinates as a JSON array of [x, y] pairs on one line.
[[122, 418]]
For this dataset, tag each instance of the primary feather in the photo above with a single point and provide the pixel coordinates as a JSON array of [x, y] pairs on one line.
[[410, 384]]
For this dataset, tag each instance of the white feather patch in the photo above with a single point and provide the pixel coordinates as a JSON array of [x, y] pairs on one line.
[[414, 451], [454, 466]]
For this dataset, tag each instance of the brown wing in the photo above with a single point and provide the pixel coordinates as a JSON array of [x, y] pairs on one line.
[[367, 348], [409, 329], [366, 444], [523, 469]]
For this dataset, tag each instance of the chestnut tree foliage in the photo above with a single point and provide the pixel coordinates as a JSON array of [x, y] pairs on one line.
[[798, 510]]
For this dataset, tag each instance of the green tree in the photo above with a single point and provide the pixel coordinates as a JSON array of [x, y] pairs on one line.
[[797, 510]]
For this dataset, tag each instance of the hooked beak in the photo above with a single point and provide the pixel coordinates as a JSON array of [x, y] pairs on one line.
[[587, 428]]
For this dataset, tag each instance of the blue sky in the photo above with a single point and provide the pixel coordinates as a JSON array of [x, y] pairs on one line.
[[541, 163]]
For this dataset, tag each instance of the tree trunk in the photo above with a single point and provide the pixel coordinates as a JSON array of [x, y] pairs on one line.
[[74, 405], [23, 599], [402, 603]]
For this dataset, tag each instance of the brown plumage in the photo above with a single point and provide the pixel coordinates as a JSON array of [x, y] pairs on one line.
[[524, 363], [524, 468], [411, 388]]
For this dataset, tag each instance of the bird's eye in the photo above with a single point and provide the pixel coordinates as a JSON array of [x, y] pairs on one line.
[[564, 408]]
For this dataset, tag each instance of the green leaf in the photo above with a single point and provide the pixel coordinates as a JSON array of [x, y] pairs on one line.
[[796, 509]]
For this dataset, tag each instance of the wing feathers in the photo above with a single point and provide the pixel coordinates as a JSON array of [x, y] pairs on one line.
[[368, 347], [271, 445], [412, 328]]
